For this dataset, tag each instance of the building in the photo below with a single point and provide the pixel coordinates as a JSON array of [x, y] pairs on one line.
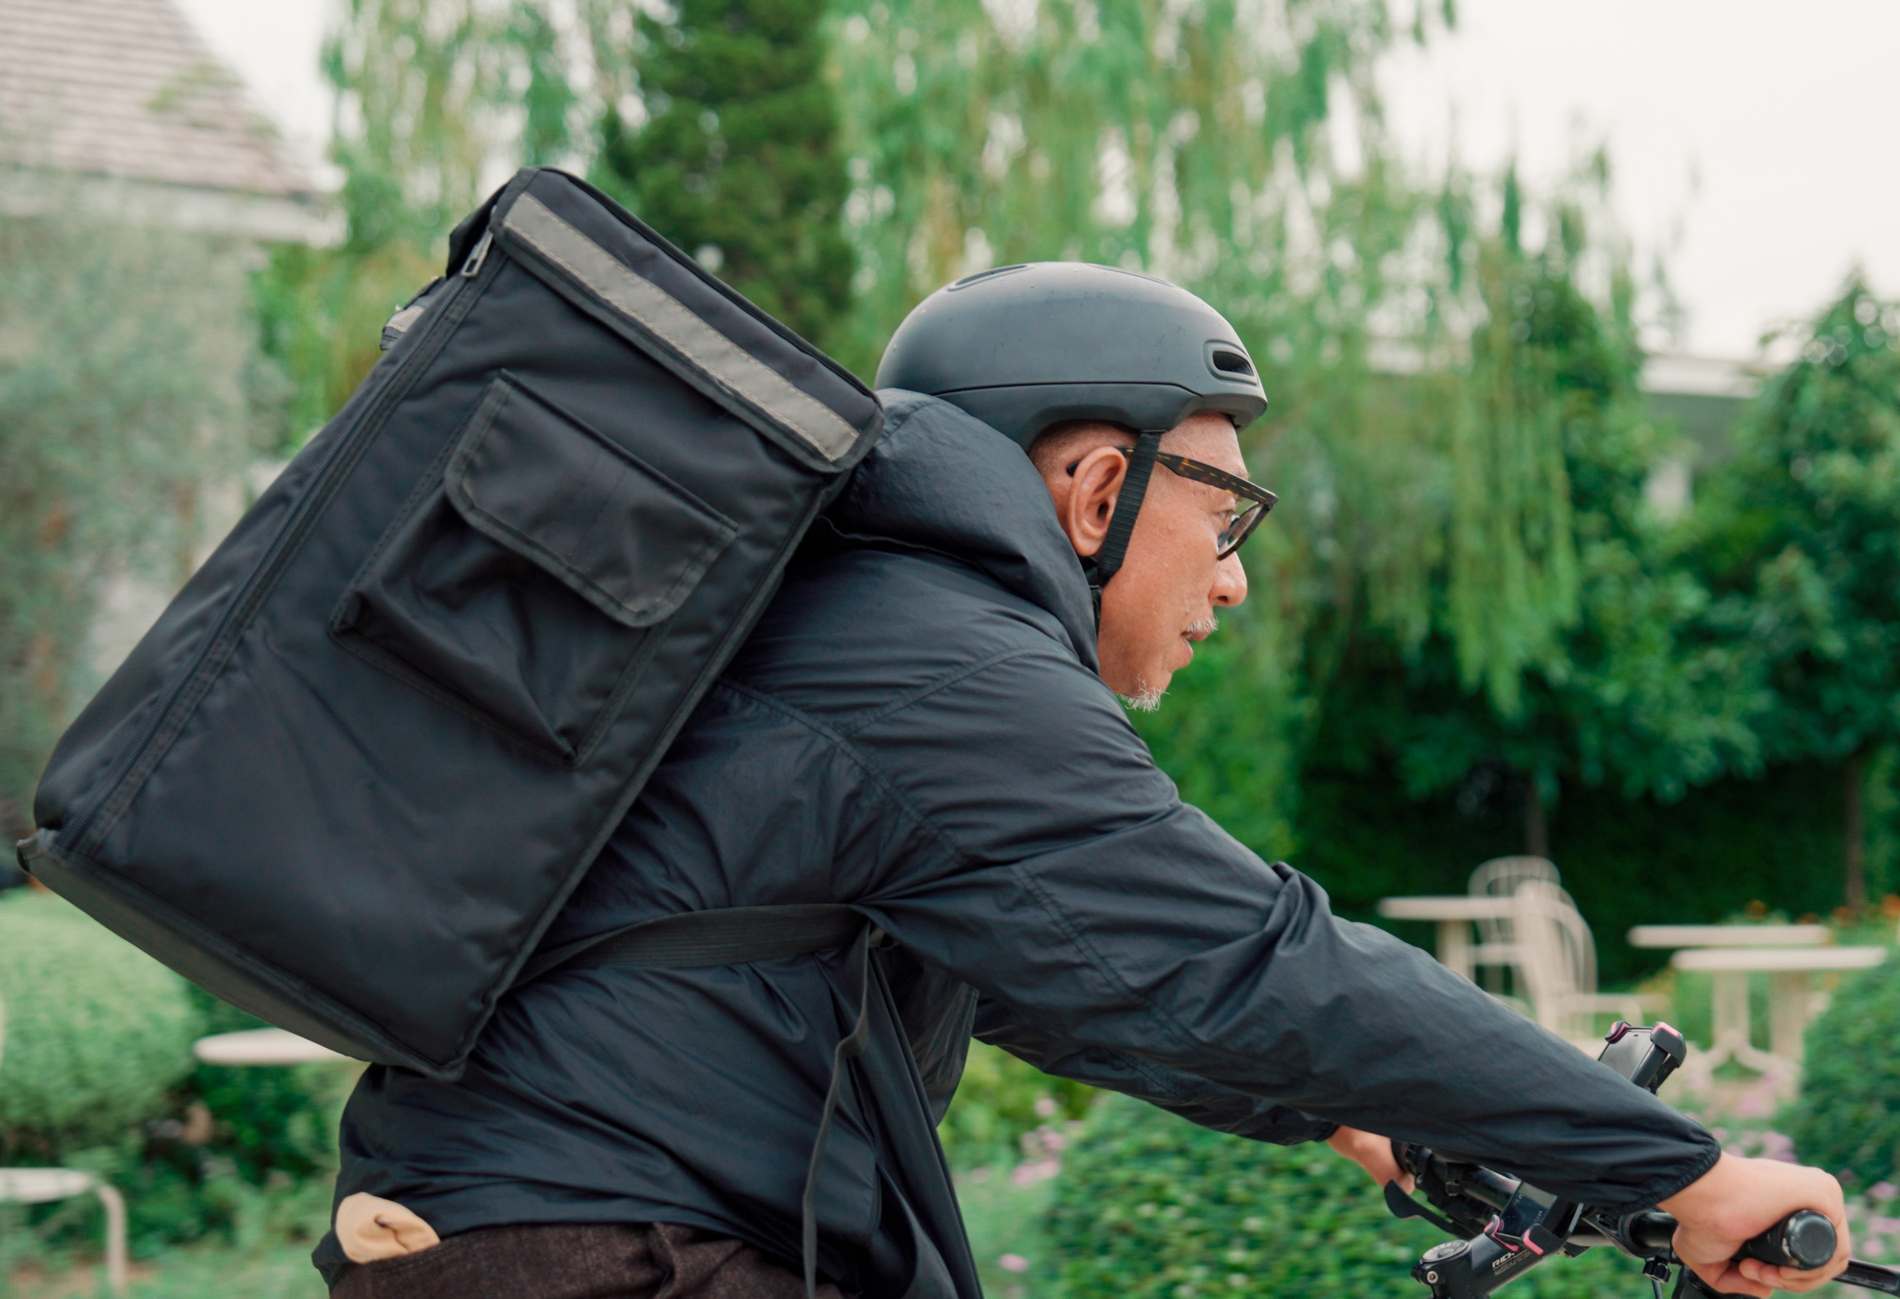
[[120, 107]]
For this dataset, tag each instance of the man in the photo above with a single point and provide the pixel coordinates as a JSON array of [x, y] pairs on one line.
[[924, 725]]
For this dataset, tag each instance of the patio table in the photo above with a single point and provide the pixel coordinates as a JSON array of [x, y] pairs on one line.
[[1454, 913], [1728, 935], [261, 1046], [1790, 1004]]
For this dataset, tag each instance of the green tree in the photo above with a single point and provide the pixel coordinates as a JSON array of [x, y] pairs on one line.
[[738, 159], [1802, 549], [1549, 640]]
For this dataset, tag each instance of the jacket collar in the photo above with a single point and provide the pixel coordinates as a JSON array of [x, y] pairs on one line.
[[941, 480]]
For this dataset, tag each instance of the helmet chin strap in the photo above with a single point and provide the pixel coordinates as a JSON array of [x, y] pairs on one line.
[[1107, 561]]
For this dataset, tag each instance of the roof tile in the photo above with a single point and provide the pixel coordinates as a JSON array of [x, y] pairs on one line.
[[126, 88]]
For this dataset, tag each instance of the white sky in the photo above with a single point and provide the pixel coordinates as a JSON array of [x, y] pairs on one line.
[[1755, 143]]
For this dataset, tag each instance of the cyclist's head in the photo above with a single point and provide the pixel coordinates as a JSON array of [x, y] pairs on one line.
[[1094, 371], [1174, 579]]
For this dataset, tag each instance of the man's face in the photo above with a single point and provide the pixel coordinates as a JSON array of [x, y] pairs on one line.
[[1171, 582]]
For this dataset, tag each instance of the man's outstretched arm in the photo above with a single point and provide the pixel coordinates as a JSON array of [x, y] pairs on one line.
[[1212, 1106], [1054, 868]]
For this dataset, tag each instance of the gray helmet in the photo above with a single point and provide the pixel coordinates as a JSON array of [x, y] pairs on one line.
[[1024, 347]]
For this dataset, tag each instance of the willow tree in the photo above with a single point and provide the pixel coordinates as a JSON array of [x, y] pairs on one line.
[[1544, 633], [433, 102], [1236, 148]]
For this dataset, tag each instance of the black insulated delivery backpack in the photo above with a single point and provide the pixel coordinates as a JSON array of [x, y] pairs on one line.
[[348, 777]]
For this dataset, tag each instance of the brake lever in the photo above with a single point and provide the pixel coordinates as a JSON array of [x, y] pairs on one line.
[[1402, 1205]]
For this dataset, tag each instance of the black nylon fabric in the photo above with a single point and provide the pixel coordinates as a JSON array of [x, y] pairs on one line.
[[356, 766], [916, 728]]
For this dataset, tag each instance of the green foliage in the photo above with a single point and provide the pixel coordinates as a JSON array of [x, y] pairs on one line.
[[1151, 1207], [1799, 543], [96, 1072], [96, 1033], [1557, 598], [1229, 729], [424, 92], [1847, 1119], [128, 380], [999, 1102], [1186, 140], [1803, 540], [738, 160], [432, 101]]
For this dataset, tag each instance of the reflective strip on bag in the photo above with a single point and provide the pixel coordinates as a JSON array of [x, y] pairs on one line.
[[666, 317]]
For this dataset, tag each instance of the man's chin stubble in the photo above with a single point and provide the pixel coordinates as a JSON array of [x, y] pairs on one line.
[[1145, 699]]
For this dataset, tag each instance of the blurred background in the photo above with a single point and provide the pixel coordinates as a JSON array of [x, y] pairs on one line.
[[1578, 615]]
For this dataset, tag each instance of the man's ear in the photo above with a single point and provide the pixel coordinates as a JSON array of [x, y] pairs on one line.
[[1086, 495]]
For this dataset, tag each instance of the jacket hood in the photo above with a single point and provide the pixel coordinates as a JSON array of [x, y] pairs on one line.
[[943, 481]]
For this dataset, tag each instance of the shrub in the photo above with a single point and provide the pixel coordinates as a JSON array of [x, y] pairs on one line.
[[97, 1073], [1847, 1118], [999, 1102], [1149, 1206], [96, 1031]]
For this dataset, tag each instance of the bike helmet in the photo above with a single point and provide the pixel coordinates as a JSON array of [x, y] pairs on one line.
[[1027, 347]]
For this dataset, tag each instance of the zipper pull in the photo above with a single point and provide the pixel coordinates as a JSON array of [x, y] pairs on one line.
[[478, 255]]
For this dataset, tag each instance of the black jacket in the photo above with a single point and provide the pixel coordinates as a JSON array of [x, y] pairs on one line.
[[917, 726]]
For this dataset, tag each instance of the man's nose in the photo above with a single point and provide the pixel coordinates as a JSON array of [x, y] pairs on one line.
[[1230, 582]]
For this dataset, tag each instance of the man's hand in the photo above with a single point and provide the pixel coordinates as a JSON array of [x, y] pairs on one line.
[[1740, 1198], [1373, 1153]]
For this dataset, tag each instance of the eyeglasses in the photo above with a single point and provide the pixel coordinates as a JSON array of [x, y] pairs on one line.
[[1258, 500]]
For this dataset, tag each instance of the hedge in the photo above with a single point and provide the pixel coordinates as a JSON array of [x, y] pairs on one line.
[[1847, 1118], [96, 1032], [1149, 1206]]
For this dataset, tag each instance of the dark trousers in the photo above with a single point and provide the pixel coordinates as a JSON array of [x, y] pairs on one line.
[[580, 1261]]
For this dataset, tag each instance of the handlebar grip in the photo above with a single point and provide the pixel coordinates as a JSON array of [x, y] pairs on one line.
[[1803, 1239]]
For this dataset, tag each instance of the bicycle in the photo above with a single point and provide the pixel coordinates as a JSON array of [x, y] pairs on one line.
[[1502, 1227]]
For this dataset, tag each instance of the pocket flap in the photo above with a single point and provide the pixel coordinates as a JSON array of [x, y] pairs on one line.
[[619, 534]]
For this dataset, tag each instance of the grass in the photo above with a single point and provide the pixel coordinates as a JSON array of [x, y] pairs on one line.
[[278, 1271]]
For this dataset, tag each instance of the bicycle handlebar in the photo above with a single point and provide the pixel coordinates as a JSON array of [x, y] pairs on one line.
[[1500, 1226]]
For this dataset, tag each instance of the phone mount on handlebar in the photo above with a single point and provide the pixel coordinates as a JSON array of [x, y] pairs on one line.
[[1502, 1227]]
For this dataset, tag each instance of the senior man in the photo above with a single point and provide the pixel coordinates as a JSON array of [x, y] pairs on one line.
[[925, 725]]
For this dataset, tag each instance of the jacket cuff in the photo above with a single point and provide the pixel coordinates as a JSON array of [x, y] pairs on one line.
[[1673, 1183]]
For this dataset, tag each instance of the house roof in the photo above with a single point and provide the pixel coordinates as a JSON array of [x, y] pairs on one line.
[[125, 90]]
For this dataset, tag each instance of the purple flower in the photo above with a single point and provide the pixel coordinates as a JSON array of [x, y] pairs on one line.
[[1045, 1107], [1758, 1101], [1882, 1191], [1013, 1263], [1035, 1170]]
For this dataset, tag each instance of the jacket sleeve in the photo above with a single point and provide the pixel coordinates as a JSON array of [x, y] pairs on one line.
[[1032, 849], [1196, 1100]]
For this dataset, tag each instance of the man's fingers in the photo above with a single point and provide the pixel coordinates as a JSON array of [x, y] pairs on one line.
[[1729, 1278]]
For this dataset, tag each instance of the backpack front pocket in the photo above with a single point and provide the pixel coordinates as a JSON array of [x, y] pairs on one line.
[[522, 585]]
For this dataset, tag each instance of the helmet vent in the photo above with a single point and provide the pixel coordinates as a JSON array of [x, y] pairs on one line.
[[1228, 361]]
